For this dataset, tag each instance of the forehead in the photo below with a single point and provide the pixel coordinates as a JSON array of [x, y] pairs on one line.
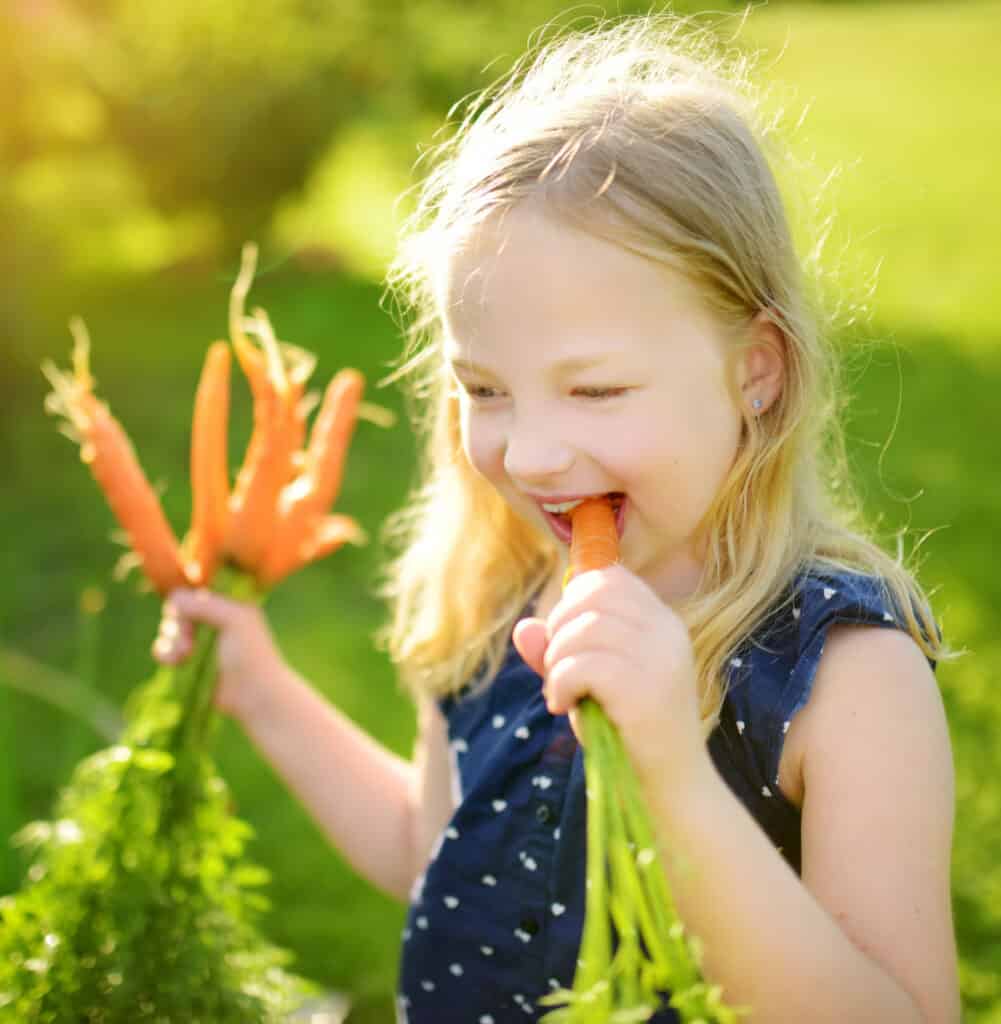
[[530, 273]]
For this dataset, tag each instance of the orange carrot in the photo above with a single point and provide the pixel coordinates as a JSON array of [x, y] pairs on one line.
[[300, 367], [246, 512], [107, 450], [112, 460], [594, 540], [307, 499], [250, 518], [209, 466], [321, 538], [266, 470], [328, 444], [279, 425], [288, 370]]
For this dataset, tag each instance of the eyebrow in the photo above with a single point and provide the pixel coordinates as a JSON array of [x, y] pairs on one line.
[[572, 363]]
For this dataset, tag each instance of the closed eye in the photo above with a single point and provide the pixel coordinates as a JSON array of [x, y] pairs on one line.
[[599, 393], [476, 392]]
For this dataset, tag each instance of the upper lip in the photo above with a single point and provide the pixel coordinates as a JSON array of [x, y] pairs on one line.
[[555, 499]]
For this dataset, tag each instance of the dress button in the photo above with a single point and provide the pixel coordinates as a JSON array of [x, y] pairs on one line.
[[543, 813], [530, 925]]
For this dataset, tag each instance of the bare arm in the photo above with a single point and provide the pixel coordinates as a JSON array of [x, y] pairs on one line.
[[432, 781], [360, 794], [867, 935], [380, 810]]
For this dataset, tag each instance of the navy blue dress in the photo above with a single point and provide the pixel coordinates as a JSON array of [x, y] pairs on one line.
[[495, 920]]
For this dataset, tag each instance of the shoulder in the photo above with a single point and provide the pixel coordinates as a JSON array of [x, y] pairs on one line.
[[853, 657], [873, 692], [821, 598], [772, 680]]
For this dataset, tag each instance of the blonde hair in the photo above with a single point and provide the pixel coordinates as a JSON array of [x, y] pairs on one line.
[[640, 131]]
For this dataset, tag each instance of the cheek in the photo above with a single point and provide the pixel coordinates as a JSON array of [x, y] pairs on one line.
[[715, 436], [683, 453], [480, 446]]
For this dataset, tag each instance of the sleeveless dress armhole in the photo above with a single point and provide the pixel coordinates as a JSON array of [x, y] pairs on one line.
[[770, 678], [822, 601]]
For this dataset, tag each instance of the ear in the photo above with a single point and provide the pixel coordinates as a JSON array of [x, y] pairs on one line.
[[761, 364]]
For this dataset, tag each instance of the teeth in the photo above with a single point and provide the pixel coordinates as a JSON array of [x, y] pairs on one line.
[[563, 506]]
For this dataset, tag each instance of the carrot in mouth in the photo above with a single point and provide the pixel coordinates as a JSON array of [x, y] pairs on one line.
[[594, 542]]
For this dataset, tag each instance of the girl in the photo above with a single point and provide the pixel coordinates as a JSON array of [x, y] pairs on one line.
[[607, 300]]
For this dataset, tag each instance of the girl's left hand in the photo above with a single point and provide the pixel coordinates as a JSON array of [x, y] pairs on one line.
[[612, 638]]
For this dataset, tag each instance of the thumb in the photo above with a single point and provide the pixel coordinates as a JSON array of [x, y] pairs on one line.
[[530, 639]]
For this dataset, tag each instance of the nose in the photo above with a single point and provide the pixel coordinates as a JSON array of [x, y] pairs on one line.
[[533, 458]]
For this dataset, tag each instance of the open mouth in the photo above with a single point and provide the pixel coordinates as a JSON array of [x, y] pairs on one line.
[[559, 522]]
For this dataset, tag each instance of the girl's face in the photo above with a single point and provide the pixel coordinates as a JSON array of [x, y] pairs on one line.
[[582, 368]]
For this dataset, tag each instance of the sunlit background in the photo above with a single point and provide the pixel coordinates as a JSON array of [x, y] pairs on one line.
[[141, 144]]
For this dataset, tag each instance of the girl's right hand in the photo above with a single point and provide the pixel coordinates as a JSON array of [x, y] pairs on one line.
[[249, 661]]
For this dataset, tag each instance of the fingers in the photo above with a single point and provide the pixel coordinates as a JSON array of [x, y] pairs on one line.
[[597, 617], [612, 590], [569, 635], [173, 640], [566, 631], [181, 610], [577, 676], [529, 638], [204, 606]]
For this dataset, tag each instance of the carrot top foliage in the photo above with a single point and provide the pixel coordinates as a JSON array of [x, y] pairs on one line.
[[140, 902]]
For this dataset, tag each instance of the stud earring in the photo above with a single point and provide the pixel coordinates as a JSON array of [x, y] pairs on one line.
[[757, 404]]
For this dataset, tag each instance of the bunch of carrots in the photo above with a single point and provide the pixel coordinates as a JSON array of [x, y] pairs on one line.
[[275, 519], [140, 902], [634, 951]]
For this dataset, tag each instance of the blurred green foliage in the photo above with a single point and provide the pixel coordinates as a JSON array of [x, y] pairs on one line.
[[135, 139], [148, 133]]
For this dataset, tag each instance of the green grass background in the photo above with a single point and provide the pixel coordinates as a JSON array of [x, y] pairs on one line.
[[904, 99]]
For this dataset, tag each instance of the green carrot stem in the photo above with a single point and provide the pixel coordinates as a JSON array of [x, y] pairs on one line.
[[663, 931], [666, 923], [629, 882], [193, 678], [679, 970], [239, 586], [596, 943], [626, 963], [200, 713]]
